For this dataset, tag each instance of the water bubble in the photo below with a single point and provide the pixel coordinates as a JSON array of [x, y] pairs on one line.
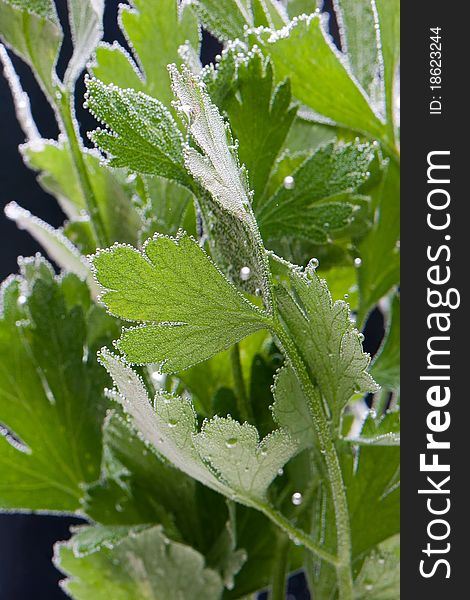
[[296, 499], [187, 111], [157, 377], [357, 262], [313, 264], [119, 507], [280, 471], [258, 292], [346, 296], [361, 337], [369, 587], [245, 273], [172, 423], [289, 182], [231, 442], [22, 299]]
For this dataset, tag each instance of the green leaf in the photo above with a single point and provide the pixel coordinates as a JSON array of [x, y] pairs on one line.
[[144, 564], [59, 248], [386, 366], [379, 251], [225, 455], [291, 408], [388, 12], [142, 134], [166, 208], [303, 52], [373, 496], [305, 205], [325, 337], [32, 30], [86, 25], [227, 209], [260, 117], [382, 430], [270, 13], [155, 30], [204, 380], [235, 453], [226, 19], [112, 192], [136, 486], [167, 425], [189, 310], [372, 485], [51, 398], [359, 39], [379, 578]]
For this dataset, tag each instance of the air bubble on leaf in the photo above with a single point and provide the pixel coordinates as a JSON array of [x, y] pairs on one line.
[[289, 182], [312, 266], [245, 273], [172, 423], [158, 377], [357, 262], [231, 442], [297, 499], [361, 337], [280, 472], [22, 299], [346, 296], [187, 111]]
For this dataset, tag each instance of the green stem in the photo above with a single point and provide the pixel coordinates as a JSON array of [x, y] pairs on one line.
[[66, 111], [295, 534], [328, 449], [280, 569], [244, 406]]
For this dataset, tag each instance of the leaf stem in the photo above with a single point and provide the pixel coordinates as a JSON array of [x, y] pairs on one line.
[[328, 449], [244, 406], [295, 534], [66, 113], [280, 569]]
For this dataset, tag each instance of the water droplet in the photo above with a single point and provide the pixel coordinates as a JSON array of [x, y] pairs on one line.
[[119, 507], [346, 296], [289, 182], [245, 273], [22, 299], [373, 413], [369, 587], [313, 264], [258, 292], [157, 377], [172, 423], [231, 442], [357, 262], [296, 499], [280, 471], [187, 111], [361, 337], [326, 225]]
